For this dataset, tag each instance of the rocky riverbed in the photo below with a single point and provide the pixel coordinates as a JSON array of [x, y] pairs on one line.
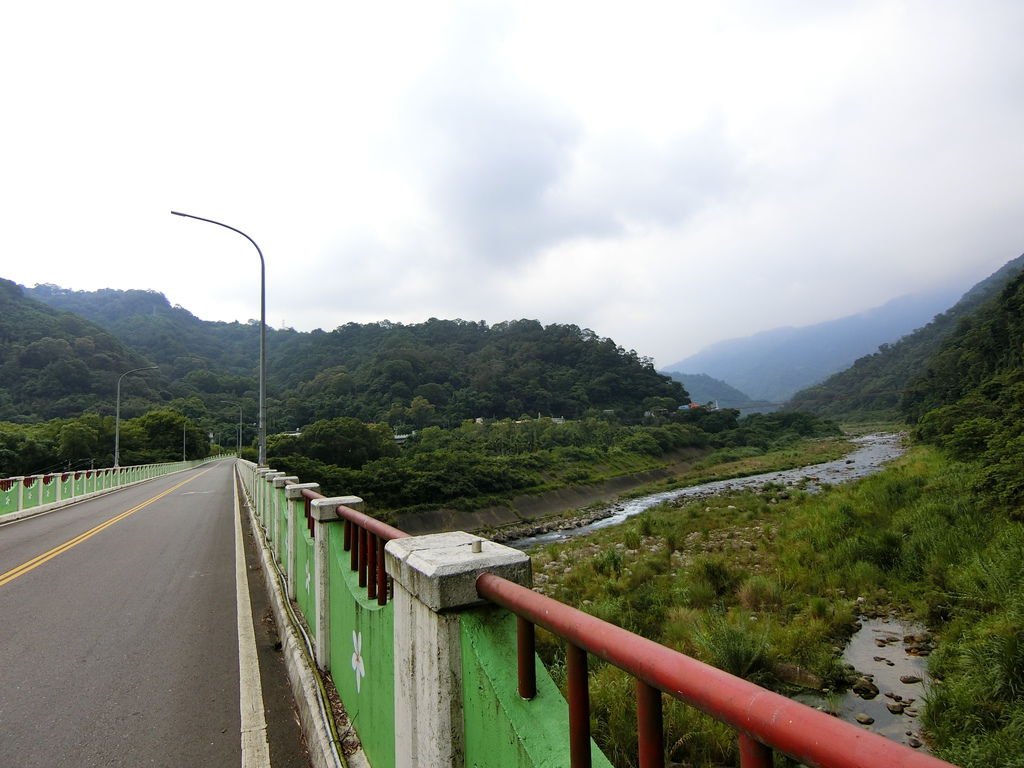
[[888, 677], [872, 453]]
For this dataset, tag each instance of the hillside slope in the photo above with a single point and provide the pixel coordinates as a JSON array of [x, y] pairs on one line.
[[873, 387], [56, 363], [436, 372]]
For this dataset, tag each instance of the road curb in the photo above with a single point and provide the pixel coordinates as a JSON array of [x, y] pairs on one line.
[[313, 709]]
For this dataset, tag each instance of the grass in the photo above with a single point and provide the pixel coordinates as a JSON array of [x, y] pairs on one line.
[[759, 582]]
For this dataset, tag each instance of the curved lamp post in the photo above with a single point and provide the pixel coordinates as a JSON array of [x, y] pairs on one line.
[[117, 413], [263, 334]]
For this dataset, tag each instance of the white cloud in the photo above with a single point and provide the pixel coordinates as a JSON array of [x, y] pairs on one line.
[[667, 174]]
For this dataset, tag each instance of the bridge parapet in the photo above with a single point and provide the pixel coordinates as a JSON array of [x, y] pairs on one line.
[[25, 496]]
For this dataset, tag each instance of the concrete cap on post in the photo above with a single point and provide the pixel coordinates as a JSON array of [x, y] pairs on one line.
[[293, 491], [326, 510], [262, 471], [269, 476], [441, 569], [282, 480]]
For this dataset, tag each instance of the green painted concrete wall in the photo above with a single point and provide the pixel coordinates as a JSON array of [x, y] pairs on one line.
[[503, 729], [356, 621], [9, 496], [281, 530], [305, 580]]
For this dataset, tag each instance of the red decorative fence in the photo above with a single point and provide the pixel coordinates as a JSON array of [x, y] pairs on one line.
[[365, 538]]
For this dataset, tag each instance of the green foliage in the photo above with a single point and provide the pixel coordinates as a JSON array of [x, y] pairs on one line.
[[752, 587], [411, 377], [476, 463], [55, 364], [970, 398], [738, 646], [88, 441], [346, 442]]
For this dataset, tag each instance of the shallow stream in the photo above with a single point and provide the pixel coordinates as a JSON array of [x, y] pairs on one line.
[[890, 654], [886, 651], [872, 453]]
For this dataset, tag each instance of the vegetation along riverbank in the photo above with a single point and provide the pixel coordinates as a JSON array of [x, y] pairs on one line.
[[769, 586]]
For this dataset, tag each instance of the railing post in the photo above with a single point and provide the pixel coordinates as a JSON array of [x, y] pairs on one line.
[[324, 512], [435, 578], [754, 754], [577, 683], [268, 503], [259, 493], [650, 730], [280, 483], [296, 502]]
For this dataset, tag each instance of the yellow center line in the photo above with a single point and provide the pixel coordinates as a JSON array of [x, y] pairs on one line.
[[35, 562]]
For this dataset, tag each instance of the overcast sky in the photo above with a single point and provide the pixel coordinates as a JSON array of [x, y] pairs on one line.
[[666, 174]]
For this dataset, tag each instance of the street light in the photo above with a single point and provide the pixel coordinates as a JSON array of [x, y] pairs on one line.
[[117, 413], [263, 334]]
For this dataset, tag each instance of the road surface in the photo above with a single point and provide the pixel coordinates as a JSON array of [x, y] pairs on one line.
[[127, 640]]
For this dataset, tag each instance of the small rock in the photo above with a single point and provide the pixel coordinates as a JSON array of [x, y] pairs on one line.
[[865, 688], [864, 719], [909, 679], [895, 707], [910, 712], [914, 742]]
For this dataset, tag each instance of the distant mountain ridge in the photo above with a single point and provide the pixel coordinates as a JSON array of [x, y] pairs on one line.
[[774, 365], [874, 386]]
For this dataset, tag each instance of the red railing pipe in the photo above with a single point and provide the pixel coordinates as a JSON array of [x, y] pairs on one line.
[[805, 734], [364, 538]]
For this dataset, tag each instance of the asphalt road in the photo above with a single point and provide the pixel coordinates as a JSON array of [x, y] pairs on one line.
[[119, 634]]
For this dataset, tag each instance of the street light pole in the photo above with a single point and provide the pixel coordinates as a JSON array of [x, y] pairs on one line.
[[117, 413], [263, 334]]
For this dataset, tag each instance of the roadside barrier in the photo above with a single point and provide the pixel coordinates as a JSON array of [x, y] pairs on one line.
[[429, 641], [24, 496]]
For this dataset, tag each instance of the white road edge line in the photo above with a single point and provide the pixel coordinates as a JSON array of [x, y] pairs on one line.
[[255, 750]]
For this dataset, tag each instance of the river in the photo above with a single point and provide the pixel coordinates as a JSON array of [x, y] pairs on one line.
[[875, 650], [872, 453]]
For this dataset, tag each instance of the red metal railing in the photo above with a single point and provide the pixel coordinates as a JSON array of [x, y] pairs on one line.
[[765, 721], [364, 539]]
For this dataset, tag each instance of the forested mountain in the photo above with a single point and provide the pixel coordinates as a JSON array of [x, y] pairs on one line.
[[185, 347], [970, 396], [873, 387], [58, 364], [448, 370], [437, 372], [775, 364]]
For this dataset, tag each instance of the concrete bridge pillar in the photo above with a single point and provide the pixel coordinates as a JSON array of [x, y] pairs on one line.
[[296, 503], [260, 493], [434, 580], [279, 484], [268, 503], [325, 512]]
